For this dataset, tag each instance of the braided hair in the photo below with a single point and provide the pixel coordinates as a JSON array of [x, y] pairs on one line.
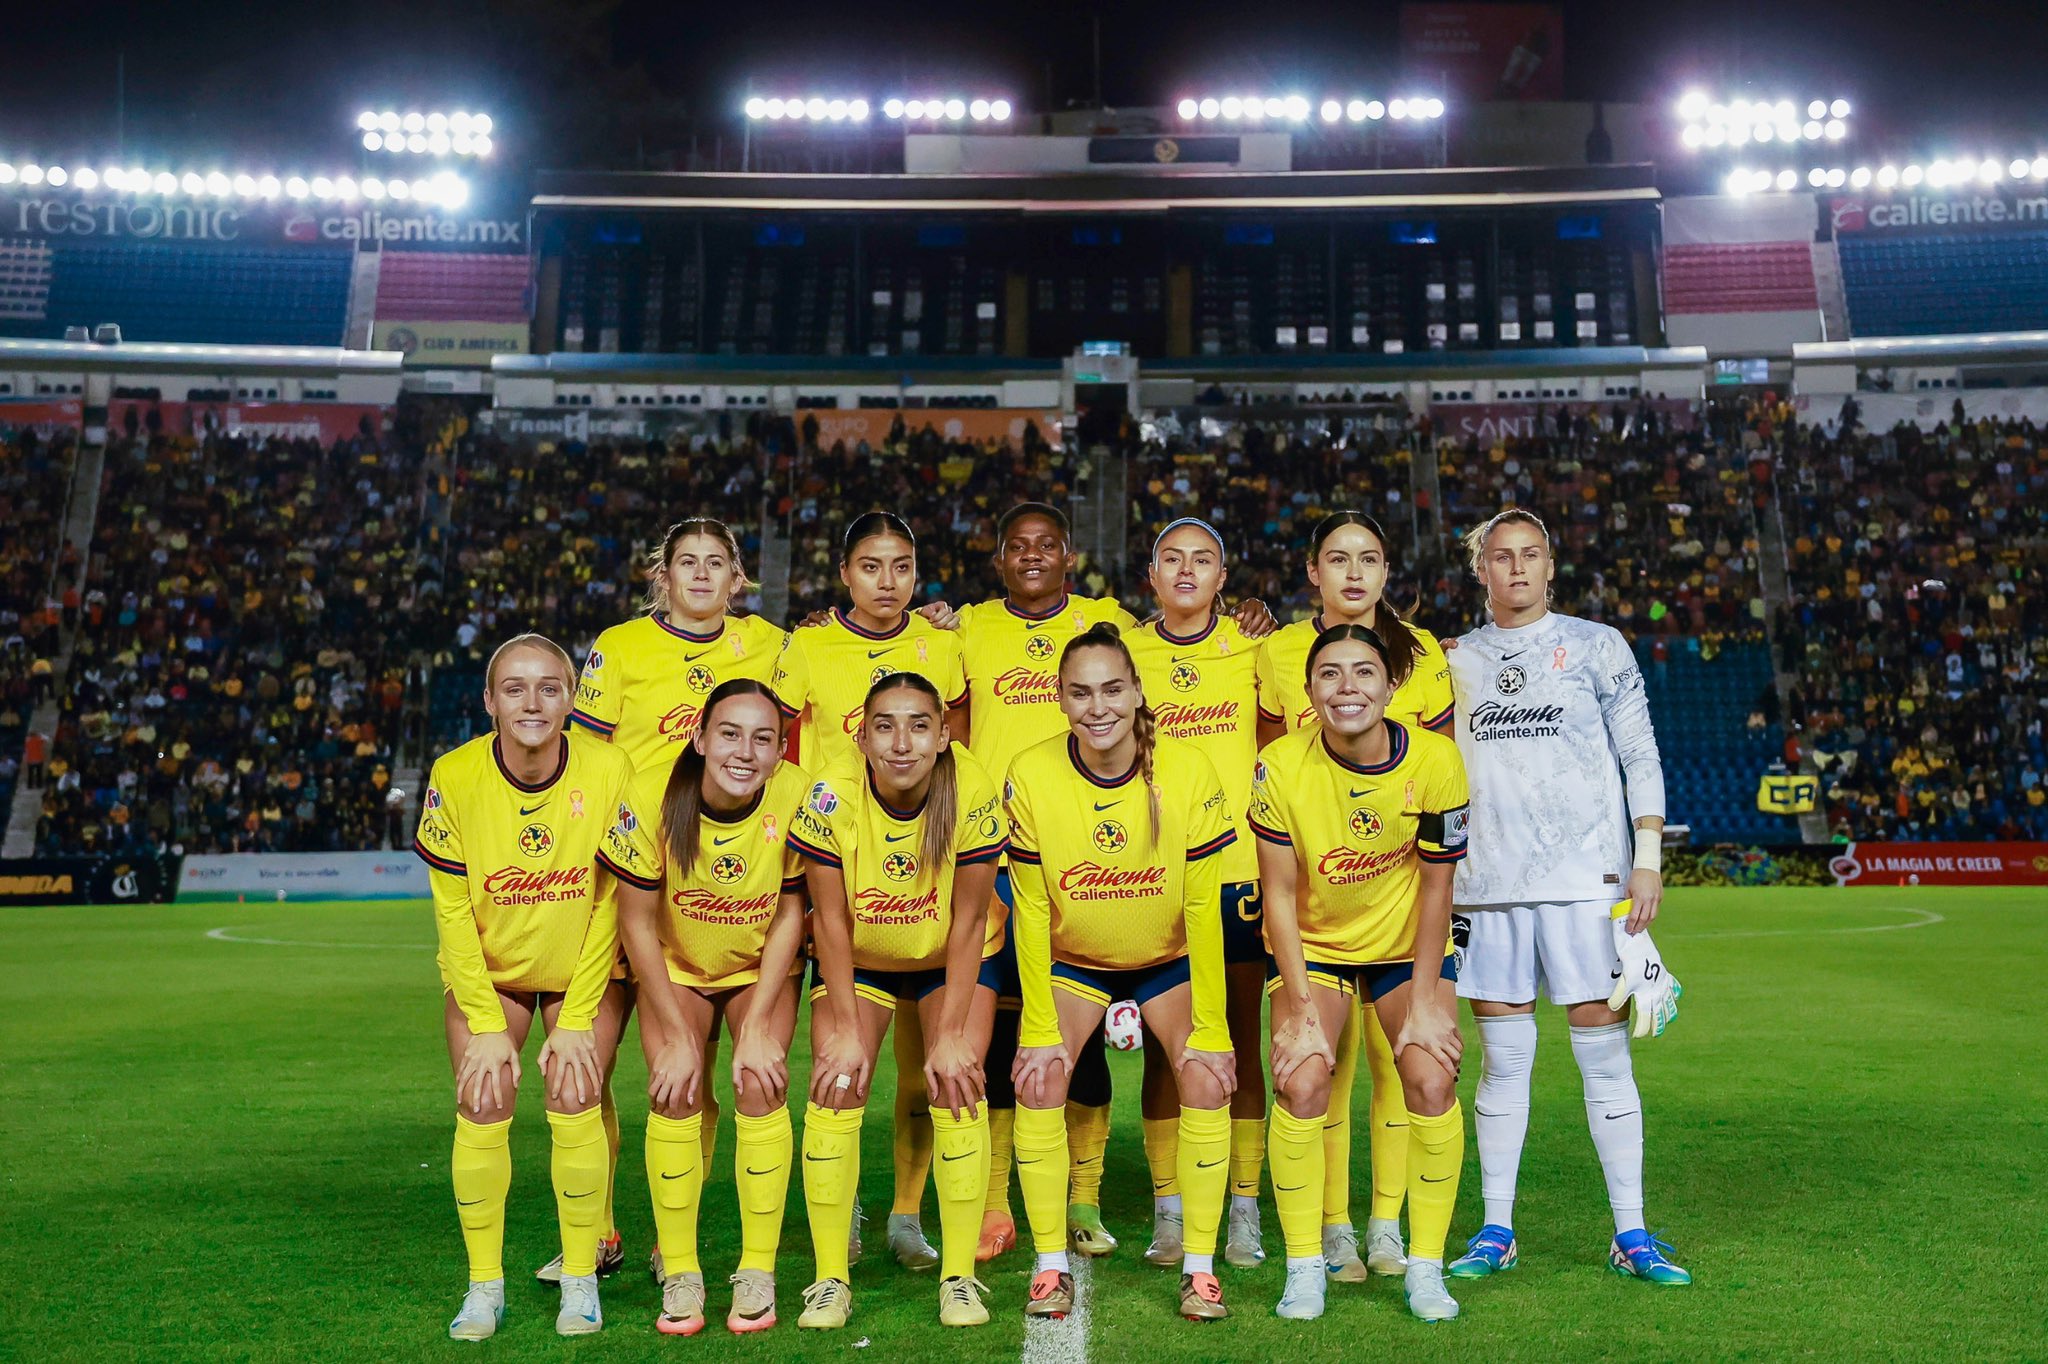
[[1145, 724]]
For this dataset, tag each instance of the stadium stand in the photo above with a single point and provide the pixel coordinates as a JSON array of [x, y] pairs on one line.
[[1945, 283], [1750, 277], [437, 286], [35, 474], [249, 295]]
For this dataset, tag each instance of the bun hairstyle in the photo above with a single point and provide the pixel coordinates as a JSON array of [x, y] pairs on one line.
[[682, 801], [1387, 623], [870, 524], [1396, 664], [942, 801], [529, 640], [658, 560], [1145, 724]]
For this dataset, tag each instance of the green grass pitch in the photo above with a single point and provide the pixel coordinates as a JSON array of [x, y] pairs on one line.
[[219, 1149]]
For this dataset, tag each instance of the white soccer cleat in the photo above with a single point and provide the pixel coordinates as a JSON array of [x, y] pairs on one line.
[[483, 1312], [908, 1244], [580, 1314], [1426, 1294], [1302, 1298], [1384, 1253], [1167, 1232], [1340, 1253], [1242, 1245]]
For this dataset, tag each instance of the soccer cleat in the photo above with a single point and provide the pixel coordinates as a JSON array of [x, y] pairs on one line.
[[1242, 1246], [1052, 1294], [611, 1258], [656, 1270], [1384, 1253], [1201, 1298], [483, 1312], [753, 1302], [907, 1243], [682, 1305], [1085, 1233], [828, 1304], [1302, 1298], [860, 1219], [580, 1314], [960, 1302], [998, 1234], [1340, 1254], [1639, 1255], [1165, 1250], [1426, 1294], [1490, 1251]]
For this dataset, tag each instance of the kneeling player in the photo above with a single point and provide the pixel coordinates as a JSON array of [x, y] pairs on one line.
[[1359, 821]]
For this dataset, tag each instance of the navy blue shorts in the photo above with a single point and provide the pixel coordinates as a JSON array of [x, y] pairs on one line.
[[1244, 923], [1144, 984], [887, 987], [1374, 980]]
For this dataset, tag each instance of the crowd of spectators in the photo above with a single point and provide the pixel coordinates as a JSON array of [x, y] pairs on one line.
[[38, 586]]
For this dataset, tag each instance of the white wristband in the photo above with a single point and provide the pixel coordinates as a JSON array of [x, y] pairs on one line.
[[1650, 850]]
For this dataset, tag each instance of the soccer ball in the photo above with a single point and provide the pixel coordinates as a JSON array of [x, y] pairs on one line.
[[1122, 1027]]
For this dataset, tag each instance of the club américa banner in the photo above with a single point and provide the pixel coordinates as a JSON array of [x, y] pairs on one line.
[[1940, 864], [103, 879], [327, 422]]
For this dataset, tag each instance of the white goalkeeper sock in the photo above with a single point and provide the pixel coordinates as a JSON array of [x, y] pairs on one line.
[[1502, 1109], [1614, 1110]]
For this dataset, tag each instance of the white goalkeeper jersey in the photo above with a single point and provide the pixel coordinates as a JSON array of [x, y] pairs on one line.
[[1551, 719]]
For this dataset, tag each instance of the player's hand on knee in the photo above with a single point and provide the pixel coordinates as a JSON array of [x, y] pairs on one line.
[[1299, 1040], [760, 1060], [676, 1073], [839, 1072], [568, 1060], [1432, 1025], [953, 1075], [1041, 1072], [488, 1078], [1220, 1066]]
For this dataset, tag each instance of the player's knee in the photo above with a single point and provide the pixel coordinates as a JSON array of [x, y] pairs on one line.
[[676, 1108], [1426, 1087], [1307, 1091], [1199, 1088]]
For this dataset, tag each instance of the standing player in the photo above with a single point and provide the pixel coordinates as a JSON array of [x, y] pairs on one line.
[[824, 676], [642, 689], [1555, 730], [510, 829], [711, 912], [902, 845], [1201, 671], [1115, 834], [1360, 819], [1348, 565]]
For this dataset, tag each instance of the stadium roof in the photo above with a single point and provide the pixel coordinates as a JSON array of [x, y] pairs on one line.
[[1975, 347], [130, 357], [1133, 193]]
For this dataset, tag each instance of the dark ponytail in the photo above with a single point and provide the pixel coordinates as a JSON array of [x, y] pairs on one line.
[[870, 524], [682, 803], [1387, 623], [1145, 724], [942, 800]]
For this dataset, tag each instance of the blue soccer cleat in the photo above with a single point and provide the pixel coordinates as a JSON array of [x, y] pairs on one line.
[[1639, 1255], [1490, 1251]]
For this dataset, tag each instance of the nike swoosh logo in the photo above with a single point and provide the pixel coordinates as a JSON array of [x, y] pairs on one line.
[[876, 653], [1516, 654], [1209, 1164], [1290, 1188], [772, 1169], [894, 838], [958, 1155], [692, 658], [1484, 1114], [1355, 795], [721, 842], [677, 1175], [808, 1156], [1086, 1160], [1617, 1117], [1185, 658], [524, 811], [1034, 1160], [1394, 1124], [1100, 808], [585, 1194], [1427, 1180], [467, 1202]]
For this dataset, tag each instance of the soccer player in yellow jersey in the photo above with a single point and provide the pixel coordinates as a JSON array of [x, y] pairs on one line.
[[1348, 565], [711, 912], [510, 828], [1360, 819], [1115, 837], [642, 688], [823, 678], [1201, 675], [902, 846]]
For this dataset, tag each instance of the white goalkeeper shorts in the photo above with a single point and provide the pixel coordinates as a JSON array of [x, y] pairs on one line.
[[1507, 953]]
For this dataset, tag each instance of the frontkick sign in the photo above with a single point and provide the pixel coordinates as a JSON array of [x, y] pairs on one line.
[[201, 223]]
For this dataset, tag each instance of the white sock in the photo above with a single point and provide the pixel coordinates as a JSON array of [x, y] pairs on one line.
[[1244, 1203], [1614, 1112], [1166, 1205], [1053, 1259], [1198, 1264], [1306, 1261], [1501, 1109]]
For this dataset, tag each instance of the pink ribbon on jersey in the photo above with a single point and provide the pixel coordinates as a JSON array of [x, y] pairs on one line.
[[768, 828], [575, 805], [1557, 659]]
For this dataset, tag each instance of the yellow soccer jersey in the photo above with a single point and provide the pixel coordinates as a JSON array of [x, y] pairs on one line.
[[1360, 836], [1013, 664], [517, 899], [645, 681], [1424, 699], [829, 668], [1205, 690], [902, 909], [1094, 890], [715, 917]]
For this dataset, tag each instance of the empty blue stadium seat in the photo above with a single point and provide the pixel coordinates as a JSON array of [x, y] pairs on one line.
[[1711, 760], [1909, 286], [235, 295]]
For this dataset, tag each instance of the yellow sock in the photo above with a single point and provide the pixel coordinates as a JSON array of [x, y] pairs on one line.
[[1042, 1161], [1087, 1139], [1204, 1175], [962, 1145], [1296, 1150], [831, 1175], [1002, 1123], [761, 1169], [1247, 1156], [1162, 1152], [1436, 1153], [1337, 1125], [482, 1173], [1388, 1114], [580, 1166], [675, 1178], [609, 1106], [910, 1145]]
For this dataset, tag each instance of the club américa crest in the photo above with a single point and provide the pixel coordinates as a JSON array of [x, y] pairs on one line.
[[727, 868], [1364, 823], [535, 840], [700, 678], [900, 866], [1110, 836], [1038, 646], [1185, 676]]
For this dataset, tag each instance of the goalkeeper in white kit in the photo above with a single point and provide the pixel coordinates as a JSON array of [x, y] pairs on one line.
[[1561, 881]]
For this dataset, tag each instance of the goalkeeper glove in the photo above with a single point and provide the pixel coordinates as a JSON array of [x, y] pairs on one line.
[[1642, 983]]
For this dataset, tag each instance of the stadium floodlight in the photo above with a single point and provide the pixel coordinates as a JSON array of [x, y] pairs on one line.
[[481, 123], [978, 111], [1375, 110], [31, 174], [999, 110], [1433, 107], [892, 108], [1817, 109], [2039, 170], [1837, 178], [814, 108], [373, 142], [1990, 172], [1737, 182], [191, 182], [267, 186], [1188, 108], [1840, 108], [1887, 176], [296, 188], [367, 120], [1297, 108], [835, 109], [2018, 169], [1397, 108], [857, 110], [245, 185], [1716, 135], [1331, 111], [438, 144], [8, 174], [437, 122], [416, 142], [163, 182], [1817, 177], [56, 175], [956, 109], [756, 108], [1693, 136], [399, 189], [913, 109], [1835, 130], [389, 121], [218, 184], [1763, 132], [1276, 107], [1812, 130], [1355, 111], [373, 188], [415, 121], [480, 145], [1911, 175], [1788, 179], [1859, 177], [1692, 105], [1233, 107], [322, 187], [1937, 173]]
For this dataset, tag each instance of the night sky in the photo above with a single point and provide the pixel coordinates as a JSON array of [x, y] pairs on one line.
[[598, 82]]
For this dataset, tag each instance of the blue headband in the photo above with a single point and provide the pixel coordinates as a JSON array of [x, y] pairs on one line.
[[1196, 521]]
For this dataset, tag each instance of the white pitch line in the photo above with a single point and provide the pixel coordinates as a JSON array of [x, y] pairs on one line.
[[1065, 1341], [1927, 917], [228, 934]]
